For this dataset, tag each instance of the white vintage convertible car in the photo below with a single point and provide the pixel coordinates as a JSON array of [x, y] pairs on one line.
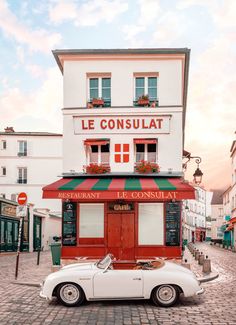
[[159, 280]]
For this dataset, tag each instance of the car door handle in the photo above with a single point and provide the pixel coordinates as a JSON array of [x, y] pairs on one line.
[[137, 279]]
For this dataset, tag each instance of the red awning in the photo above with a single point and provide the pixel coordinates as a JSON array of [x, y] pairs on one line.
[[114, 188], [144, 141], [96, 142]]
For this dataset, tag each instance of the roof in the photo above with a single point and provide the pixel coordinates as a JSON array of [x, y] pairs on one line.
[[8, 201], [217, 197], [31, 133]]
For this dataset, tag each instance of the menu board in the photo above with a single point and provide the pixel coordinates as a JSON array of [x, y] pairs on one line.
[[173, 214], [69, 224]]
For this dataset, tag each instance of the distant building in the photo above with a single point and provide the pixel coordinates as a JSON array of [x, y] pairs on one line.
[[195, 213], [217, 216]]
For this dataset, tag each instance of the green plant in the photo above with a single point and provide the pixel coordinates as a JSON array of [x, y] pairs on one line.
[[147, 167]]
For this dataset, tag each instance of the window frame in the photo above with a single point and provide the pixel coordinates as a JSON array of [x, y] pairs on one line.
[[145, 153], [24, 172], [146, 76], [100, 77], [3, 171], [3, 144], [99, 162], [23, 153]]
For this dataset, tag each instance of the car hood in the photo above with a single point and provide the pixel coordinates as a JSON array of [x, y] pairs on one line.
[[78, 266]]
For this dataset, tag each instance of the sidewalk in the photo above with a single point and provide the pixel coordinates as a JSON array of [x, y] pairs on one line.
[[197, 269]]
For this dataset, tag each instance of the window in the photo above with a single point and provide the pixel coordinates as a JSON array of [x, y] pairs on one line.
[[3, 144], [98, 152], [22, 175], [3, 171], [150, 224], [91, 221], [146, 150], [100, 88], [146, 86], [3, 195], [22, 148]]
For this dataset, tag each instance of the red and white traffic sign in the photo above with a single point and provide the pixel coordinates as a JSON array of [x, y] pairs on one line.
[[22, 198]]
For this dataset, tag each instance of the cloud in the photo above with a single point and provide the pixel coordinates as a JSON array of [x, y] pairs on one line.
[[89, 13], [35, 70], [38, 40], [43, 104]]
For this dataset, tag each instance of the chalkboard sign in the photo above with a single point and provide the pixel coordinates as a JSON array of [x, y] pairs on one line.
[[69, 224], [173, 214]]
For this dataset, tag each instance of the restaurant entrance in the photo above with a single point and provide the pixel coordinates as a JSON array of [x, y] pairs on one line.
[[121, 235]]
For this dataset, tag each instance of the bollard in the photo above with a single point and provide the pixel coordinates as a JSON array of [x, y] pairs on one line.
[[186, 264], [201, 259], [197, 255], [206, 267]]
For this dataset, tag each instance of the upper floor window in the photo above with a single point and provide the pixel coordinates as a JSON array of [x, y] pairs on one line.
[[146, 149], [146, 89], [99, 89], [3, 171], [98, 152], [22, 175], [22, 148], [3, 144]]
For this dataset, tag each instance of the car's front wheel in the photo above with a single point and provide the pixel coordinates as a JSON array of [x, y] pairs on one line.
[[165, 295], [70, 294]]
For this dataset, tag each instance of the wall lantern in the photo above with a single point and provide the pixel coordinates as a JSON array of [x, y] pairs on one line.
[[198, 173]]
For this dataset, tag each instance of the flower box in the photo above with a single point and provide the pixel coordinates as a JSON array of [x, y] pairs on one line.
[[146, 167], [143, 100], [96, 169], [98, 102]]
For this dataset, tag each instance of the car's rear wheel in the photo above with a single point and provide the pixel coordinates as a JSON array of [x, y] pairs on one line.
[[70, 294], [165, 295]]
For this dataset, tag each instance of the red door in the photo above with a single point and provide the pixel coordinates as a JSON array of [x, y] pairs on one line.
[[121, 235]]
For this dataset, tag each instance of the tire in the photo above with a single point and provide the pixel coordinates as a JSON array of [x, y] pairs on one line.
[[70, 294], [166, 295]]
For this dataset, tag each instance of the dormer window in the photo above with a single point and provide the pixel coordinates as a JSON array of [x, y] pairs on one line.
[[99, 86]]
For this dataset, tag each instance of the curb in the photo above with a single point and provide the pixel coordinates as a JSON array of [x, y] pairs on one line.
[[208, 278], [29, 284]]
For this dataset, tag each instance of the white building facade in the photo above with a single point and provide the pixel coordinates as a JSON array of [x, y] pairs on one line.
[[124, 115]]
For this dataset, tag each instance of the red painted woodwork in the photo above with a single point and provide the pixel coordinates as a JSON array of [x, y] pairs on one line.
[[120, 240]]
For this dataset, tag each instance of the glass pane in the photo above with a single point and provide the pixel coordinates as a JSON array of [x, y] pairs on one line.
[[139, 156], [93, 83], [139, 92], [94, 157], [94, 148], [2, 232], [15, 232], [151, 156], [9, 233], [140, 147], [106, 82], [152, 82], [139, 82], [150, 224], [93, 93], [105, 157], [106, 93], [151, 147], [152, 92], [26, 235], [105, 148], [91, 221]]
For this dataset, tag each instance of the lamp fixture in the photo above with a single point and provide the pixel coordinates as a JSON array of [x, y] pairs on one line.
[[198, 173]]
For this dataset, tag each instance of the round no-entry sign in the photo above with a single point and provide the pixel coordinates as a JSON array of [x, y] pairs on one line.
[[22, 198]]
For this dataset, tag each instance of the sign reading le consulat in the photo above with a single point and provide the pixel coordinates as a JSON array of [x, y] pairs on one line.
[[122, 124]]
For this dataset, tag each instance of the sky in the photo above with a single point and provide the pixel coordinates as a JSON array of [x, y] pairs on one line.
[[31, 83]]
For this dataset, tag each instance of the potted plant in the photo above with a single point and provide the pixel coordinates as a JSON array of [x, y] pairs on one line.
[[96, 169], [145, 167], [98, 102], [143, 100]]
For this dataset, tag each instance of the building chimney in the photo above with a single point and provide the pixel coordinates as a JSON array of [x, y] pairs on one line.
[[9, 129]]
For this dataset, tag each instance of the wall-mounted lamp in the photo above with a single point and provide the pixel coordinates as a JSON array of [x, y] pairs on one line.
[[198, 173]]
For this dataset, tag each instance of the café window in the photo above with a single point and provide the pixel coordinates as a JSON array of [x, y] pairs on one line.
[[91, 220], [150, 224], [98, 151], [22, 148], [145, 149]]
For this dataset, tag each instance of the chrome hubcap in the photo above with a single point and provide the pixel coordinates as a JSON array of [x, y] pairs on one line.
[[69, 293], [166, 293]]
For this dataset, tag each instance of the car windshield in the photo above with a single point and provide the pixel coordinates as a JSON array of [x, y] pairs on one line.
[[104, 262]]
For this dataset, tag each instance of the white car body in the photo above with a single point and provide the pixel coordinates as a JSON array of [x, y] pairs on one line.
[[104, 283]]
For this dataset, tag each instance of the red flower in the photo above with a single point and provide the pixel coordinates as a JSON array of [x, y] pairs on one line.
[[96, 169], [147, 167]]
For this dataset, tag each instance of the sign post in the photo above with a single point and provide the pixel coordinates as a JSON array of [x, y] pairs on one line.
[[21, 212]]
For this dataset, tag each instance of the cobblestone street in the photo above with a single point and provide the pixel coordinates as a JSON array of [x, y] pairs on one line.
[[21, 304]]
